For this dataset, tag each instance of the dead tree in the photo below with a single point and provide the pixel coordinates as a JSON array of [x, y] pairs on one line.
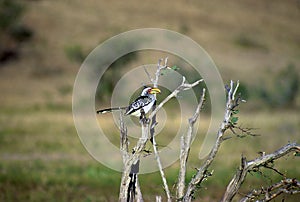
[[130, 189], [131, 161]]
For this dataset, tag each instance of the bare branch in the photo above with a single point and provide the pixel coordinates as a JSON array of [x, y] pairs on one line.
[[160, 167], [152, 133], [186, 141], [288, 186], [159, 68], [247, 166], [182, 87], [202, 172], [198, 109]]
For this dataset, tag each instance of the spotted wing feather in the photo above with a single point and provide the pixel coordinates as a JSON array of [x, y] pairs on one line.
[[139, 103]]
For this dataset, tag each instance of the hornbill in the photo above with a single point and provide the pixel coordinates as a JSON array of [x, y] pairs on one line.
[[141, 105]]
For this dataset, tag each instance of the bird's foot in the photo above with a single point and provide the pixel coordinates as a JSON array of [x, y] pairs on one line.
[[143, 118]]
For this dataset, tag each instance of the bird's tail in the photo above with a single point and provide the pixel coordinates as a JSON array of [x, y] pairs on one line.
[[103, 111]]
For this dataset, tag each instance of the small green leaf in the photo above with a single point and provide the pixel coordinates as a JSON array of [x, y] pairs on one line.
[[236, 111], [175, 68], [163, 72], [234, 119]]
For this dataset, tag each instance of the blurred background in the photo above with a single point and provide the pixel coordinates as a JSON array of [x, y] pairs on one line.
[[44, 42]]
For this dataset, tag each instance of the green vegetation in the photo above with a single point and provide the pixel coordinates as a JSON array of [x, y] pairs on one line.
[[12, 31], [10, 12], [280, 90], [75, 53], [40, 180], [43, 159], [113, 75], [283, 90], [248, 42]]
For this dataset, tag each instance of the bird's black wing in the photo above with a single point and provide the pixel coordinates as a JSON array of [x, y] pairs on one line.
[[139, 103]]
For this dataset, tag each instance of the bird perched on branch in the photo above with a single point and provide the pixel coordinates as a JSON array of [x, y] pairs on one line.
[[139, 106]]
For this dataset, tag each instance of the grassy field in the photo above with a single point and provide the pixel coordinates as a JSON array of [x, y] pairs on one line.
[[41, 156], [43, 159]]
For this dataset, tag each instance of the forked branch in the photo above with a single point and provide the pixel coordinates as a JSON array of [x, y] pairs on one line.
[[202, 172], [247, 166]]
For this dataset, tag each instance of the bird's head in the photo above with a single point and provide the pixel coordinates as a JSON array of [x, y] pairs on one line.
[[150, 90]]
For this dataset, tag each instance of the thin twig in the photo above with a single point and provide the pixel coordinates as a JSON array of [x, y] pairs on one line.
[[186, 141], [162, 174], [159, 68]]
